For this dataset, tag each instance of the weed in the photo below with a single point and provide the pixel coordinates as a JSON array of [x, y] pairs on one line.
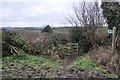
[[85, 64]]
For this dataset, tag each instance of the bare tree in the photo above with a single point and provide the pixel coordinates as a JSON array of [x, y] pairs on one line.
[[86, 14]]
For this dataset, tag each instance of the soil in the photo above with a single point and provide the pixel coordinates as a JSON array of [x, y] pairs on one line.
[[30, 72], [70, 60]]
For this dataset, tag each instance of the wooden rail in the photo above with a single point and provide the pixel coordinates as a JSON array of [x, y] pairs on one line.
[[70, 49]]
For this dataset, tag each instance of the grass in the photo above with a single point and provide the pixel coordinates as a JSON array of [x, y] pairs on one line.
[[84, 63], [38, 61], [81, 62], [59, 30], [31, 60]]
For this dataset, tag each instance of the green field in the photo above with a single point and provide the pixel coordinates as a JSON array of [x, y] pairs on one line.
[[61, 30], [57, 30]]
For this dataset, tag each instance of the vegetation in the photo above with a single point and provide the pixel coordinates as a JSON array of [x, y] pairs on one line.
[[111, 12], [27, 59], [58, 39], [78, 36], [86, 21], [84, 63], [47, 29], [28, 65], [11, 43], [61, 30]]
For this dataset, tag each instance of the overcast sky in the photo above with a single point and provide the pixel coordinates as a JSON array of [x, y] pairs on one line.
[[35, 13]]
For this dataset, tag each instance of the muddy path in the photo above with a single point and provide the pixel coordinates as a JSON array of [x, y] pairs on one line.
[[69, 61]]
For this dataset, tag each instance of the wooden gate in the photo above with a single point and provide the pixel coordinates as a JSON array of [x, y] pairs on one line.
[[70, 49]]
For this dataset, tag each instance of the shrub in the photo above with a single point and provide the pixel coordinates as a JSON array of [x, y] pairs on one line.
[[77, 35], [101, 37], [46, 45], [11, 39], [40, 46], [102, 40], [58, 39], [105, 58], [36, 48]]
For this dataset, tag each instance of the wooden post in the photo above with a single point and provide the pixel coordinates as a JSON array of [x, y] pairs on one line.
[[113, 40]]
